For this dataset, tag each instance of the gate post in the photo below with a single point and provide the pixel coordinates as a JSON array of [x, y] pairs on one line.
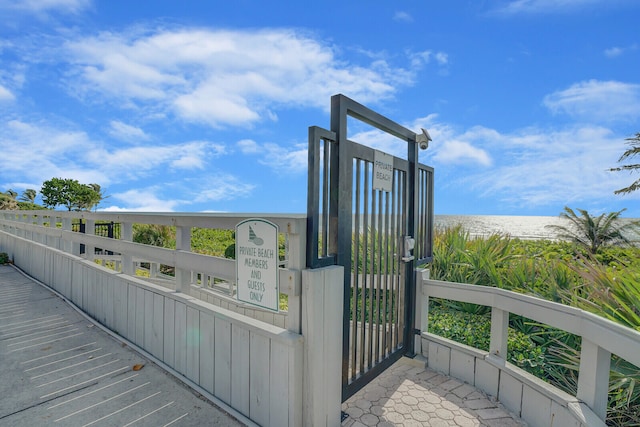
[[322, 311]]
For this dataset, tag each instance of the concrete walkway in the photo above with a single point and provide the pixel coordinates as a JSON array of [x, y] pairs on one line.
[[408, 394], [57, 368]]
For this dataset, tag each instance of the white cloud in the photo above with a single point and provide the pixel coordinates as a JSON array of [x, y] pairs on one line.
[[222, 187], [401, 16], [40, 6], [45, 152], [5, 94], [126, 163], [419, 59], [595, 100], [534, 167], [616, 51], [545, 6], [248, 146], [223, 77], [456, 151], [293, 159], [125, 132], [142, 200]]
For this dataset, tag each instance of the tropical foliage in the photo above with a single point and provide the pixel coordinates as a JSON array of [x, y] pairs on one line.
[[593, 232], [630, 153], [9, 200], [607, 284]]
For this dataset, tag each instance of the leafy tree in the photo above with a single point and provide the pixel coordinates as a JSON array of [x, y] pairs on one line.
[[594, 232], [29, 195], [634, 150], [70, 193]]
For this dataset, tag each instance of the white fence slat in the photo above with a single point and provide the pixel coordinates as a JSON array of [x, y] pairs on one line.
[[222, 375], [207, 351], [148, 319], [120, 307], [139, 316], [259, 360], [157, 326], [240, 349], [169, 331], [279, 385], [131, 312], [180, 338], [192, 369]]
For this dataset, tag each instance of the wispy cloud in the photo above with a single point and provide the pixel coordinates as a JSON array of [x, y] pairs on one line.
[[401, 16], [5, 94], [43, 6], [530, 167], [281, 159], [419, 59], [544, 6], [614, 52], [142, 200], [222, 77], [125, 132], [595, 100]]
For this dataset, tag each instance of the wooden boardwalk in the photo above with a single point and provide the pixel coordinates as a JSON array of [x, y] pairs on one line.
[[58, 368]]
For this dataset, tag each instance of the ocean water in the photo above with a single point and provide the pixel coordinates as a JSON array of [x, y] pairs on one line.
[[522, 227]]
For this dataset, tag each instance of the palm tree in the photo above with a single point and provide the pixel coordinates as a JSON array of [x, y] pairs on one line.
[[634, 150], [593, 232], [29, 195]]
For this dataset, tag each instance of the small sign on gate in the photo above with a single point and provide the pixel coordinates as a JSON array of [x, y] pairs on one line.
[[382, 171], [257, 263]]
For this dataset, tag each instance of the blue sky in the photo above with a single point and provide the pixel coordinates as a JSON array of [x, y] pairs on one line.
[[204, 105]]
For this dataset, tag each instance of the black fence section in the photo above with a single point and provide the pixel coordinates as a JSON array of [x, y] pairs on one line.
[[102, 229], [322, 206]]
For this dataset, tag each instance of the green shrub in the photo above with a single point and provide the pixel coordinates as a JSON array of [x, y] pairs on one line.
[[4, 258]]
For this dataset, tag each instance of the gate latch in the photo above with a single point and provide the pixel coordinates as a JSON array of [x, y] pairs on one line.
[[409, 243]]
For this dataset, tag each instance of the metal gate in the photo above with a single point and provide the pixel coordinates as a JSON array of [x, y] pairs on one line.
[[378, 232]]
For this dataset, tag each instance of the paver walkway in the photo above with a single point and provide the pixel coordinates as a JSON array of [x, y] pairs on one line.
[[59, 369], [408, 394]]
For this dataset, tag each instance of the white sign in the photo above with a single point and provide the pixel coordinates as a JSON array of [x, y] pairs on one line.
[[382, 171], [257, 263]]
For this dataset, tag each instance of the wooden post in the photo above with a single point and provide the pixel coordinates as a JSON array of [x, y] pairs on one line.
[[126, 234], [183, 243], [499, 332], [593, 378], [322, 310]]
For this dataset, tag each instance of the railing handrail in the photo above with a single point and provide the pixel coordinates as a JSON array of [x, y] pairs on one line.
[[286, 222], [188, 265], [618, 339], [600, 337]]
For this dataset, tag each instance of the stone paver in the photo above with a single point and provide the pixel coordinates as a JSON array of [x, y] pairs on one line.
[[408, 394]]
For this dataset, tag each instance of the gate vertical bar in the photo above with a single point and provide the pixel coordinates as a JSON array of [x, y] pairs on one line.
[[410, 280], [344, 182]]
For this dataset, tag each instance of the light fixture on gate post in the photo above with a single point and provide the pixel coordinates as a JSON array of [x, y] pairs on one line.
[[423, 139]]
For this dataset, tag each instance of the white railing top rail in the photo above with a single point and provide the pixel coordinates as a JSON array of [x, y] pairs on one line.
[[222, 268], [289, 223], [613, 337]]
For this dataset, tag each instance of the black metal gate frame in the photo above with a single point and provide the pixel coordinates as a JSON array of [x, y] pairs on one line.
[[330, 221]]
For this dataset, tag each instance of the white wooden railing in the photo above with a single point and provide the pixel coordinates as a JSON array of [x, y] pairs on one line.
[[195, 274], [535, 401], [247, 358]]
